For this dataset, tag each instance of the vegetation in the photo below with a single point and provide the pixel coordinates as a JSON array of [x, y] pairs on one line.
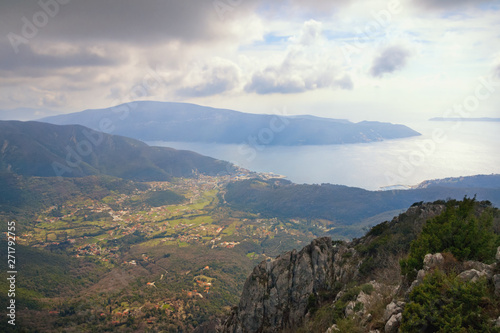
[[445, 303], [341, 205], [167, 254], [45, 150], [459, 231]]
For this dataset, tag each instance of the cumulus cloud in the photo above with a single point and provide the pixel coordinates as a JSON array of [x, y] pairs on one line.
[[391, 59], [271, 80], [289, 80], [310, 34], [345, 82], [305, 67], [215, 77]]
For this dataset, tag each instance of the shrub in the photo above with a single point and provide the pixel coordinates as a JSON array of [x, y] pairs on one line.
[[444, 303], [457, 231]]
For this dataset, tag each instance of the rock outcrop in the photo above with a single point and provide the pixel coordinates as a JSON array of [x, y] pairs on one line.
[[277, 293], [360, 278]]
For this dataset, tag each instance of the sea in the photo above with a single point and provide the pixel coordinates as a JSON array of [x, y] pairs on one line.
[[445, 149]]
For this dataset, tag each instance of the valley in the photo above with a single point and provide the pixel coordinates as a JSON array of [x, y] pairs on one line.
[[163, 256]]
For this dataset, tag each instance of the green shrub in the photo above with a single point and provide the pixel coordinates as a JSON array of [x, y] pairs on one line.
[[444, 303], [349, 325], [457, 231], [367, 288]]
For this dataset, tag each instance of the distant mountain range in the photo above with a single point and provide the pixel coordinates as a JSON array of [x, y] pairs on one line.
[[181, 122], [41, 149]]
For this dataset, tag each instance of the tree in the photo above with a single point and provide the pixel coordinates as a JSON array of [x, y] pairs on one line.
[[458, 231]]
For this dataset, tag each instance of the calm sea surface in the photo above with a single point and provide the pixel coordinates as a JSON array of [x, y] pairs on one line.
[[445, 149]]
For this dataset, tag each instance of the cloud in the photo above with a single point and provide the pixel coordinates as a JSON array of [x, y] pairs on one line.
[[307, 65], [215, 77], [391, 59], [272, 81], [53, 100], [310, 34], [449, 4], [345, 82], [496, 72], [297, 8], [30, 57], [290, 79], [128, 21]]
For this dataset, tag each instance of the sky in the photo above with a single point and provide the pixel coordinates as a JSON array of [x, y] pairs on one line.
[[391, 60]]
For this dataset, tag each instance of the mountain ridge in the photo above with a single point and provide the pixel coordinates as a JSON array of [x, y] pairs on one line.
[[42, 149], [183, 122]]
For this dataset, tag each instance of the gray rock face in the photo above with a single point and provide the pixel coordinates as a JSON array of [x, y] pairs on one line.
[[497, 257], [433, 261], [275, 296], [333, 329], [496, 283], [481, 267], [393, 323], [393, 308], [471, 275]]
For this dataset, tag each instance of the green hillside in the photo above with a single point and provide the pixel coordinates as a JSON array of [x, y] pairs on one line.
[[41, 149]]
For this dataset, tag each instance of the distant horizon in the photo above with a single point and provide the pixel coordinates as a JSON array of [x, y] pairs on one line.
[[36, 114]]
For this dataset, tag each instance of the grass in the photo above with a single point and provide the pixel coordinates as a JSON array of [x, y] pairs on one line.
[[252, 255], [230, 230]]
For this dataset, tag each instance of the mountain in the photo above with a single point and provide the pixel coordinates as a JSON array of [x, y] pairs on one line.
[[161, 121], [46, 150], [346, 206], [392, 278]]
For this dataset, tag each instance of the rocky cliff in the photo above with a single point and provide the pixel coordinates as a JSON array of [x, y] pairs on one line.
[[357, 286], [277, 294]]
